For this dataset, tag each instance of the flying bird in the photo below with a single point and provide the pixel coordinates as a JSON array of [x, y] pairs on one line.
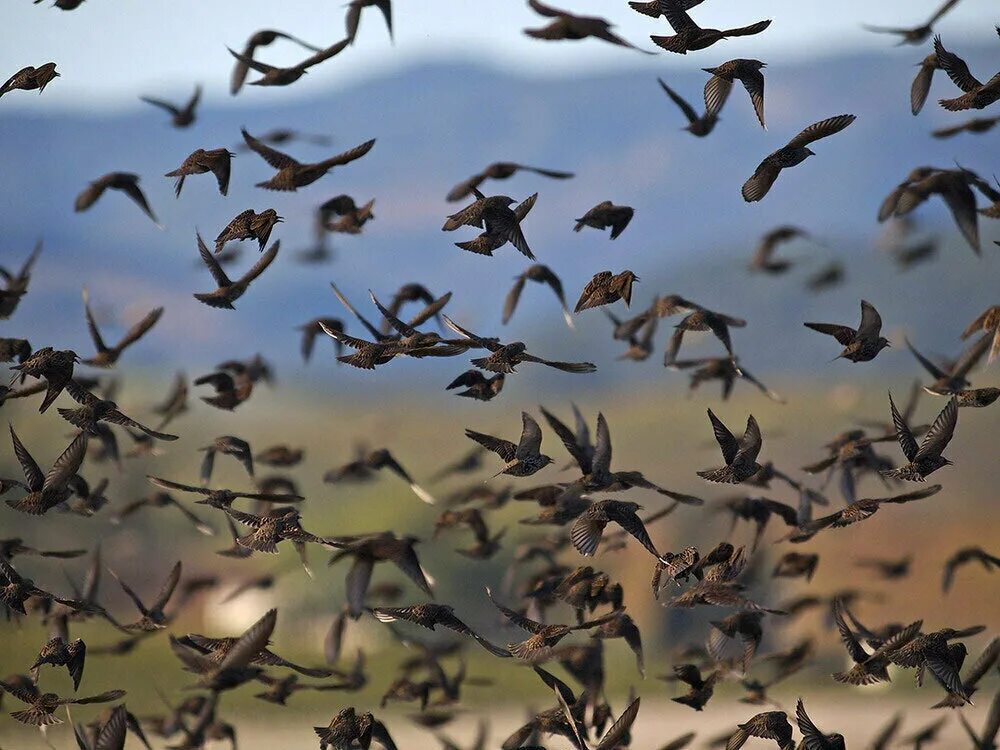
[[747, 72], [689, 36], [861, 345], [249, 225], [31, 78], [500, 170], [228, 290], [916, 34], [606, 214], [107, 356], [125, 182], [541, 275], [258, 39], [291, 174], [698, 125], [354, 9], [216, 160], [521, 459], [740, 455], [606, 288], [569, 26], [500, 223], [275, 76], [180, 117], [926, 458], [977, 94]]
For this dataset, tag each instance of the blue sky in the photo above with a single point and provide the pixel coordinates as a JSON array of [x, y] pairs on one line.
[[110, 51]]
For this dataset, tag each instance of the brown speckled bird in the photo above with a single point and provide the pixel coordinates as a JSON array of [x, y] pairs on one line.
[[291, 174], [791, 154], [921, 85], [521, 459], [700, 319], [94, 409], [229, 290], [500, 223], [258, 39], [606, 214], [606, 288], [42, 706], [500, 170], [15, 285], [430, 615], [54, 365], [125, 182], [977, 95], [720, 84], [249, 225], [698, 125], [587, 530], [540, 275], [180, 117], [770, 725], [740, 455], [812, 737], [216, 161], [569, 26], [351, 217], [107, 356], [275, 76], [689, 36], [861, 345], [347, 727], [477, 385], [505, 357], [915, 34], [926, 458], [60, 653], [153, 617], [31, 78]]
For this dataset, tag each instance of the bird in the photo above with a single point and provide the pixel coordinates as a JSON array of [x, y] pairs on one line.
[[740, 455], [725, 369], [46, 491], [180, 117], [16, 284], [857, 511], [812, 736], [354, 9], [55, 366], [743, 625], [540, 274], [347, 727], [125, 182], [500, 170], [500, 223], [700, 688], [868, 669], [371, 461], [921, 85], [31, 78], [521, 459], [605, 288], [153, 617], [964, 556], [975, 125], [586, 531], [763, 257], [569, 26], [926, 458], [291, 174], [431, 615], [747, 72], [93, 409], [769, 725], [234, 668], [974, 674], [916, 34], [352, 217], [216, 160], [699, 319], [606, 214], [228, 290], [698, 125], [260, 38], [989, 323], [367, 551], [977, 95], [107, 356], [477, 385], [275, 76], [42, 706], [689, 36], [60, 653], [227, 445], [162, 500], [952, 185], [861, 345], [791, 154]]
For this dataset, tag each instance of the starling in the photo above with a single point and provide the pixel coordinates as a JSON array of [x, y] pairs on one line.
[[926, 458], [857, 511], [698, 125], [541, 275], [371, 461], [259, 39], [606, 214], [505, 357], [219, 648], [701, 319], [232, 388], [46, 491], [989, 323], [216, 161], [606, 288], [640, 343], [42, 706], [965, 556], [500, 223], [126, 182], [763, 257], [347, 727], [162, 500], [431, 615], [653, 8], [521, 459], [94, 409], [725, 369], [977, 95], [234, 669], [812, 736], [796, 565], [500, 170], [720, 84], [569, 26], [700, 688], [477, 385], [274, 76], [886, 568], [227, 445], [689, 36], [16, 285], [770, 725], [291, 174], [354, 9], [976, 398], [312, 329], [180, 117], [952, 185], [916, 34], [743, 625], [934, 652], [60, 653], [975, 125], [587, 530], [30, 78], [153, 617], [793, 153], [861, 345], [375, 548], [351, 216], [740, 455], [229, 291], [107, 356], [921, 85]]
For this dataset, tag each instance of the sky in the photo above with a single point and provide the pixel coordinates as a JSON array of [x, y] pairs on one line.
[[159, 47]]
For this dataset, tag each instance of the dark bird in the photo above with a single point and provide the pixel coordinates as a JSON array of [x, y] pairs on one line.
[[431, 615], [351, 217], [274, 76], [965, 556], [162, 500], [654, 9], [477, 385], [232, 387], [347, 727], [16, 285], [699, 319], [977, 95], [227, 445], [606, 214], [60, 653], [861, 345], [258, 39], [312, 329], [228, 290], [812, 736], [541, 275], [587, 530], [218, 649], [152, 617], [926, 458], [700, 688], [952, 185], [291, 174], [975, 125], [763, 257], [921, 85], [720, 84], [606, 288], [216, 160], [500, 223], [107, 356], [933, 652], [377, 548], [505, 357], [796, 565], [46, 491], [689, 36], [698, 125], [916, 34], [42, 706], [724, 369], [973, 675], [868, 669], [770, 725], [180, 117], [569, 26], [857, 511], [233, 669], [94, 409], [989, 323], [14, 546], [793, 153], [829, 276], [500, 170], [888, 569], [126, 182], [277, 136], [975, 398], [367, 463], [521, 459], [54, 365], [740, 455], [354, 9], [746, 626], [30, 78], [952, 377]]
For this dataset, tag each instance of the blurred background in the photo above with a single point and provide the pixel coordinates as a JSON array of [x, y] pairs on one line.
[[460, 86]]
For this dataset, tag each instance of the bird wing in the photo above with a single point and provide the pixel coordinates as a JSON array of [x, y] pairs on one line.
[[503, 448], [531, 437], [955, 67], [617, 731], [853, 646], [871, 321], [272, 156], [754, 28], [601, 461], [261, 265], [221, 279], [95, 334], [161, 104], [324, 54], [940, 433], [906, 440], [67, 464], [361, 318], [32, 473], [546, 10], [510, 302], [251, 643], [760, 182], [717, 91], [132, 190], [492, 345], [921, 87], [686, 108], [167, 590], [136, 332], [971, 357], [812, 737], [677, 16], [350, 155], [933, 369], [753, 82], [726, 440], [569, 440], [821, 129], [521, 621], [945, 7]]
